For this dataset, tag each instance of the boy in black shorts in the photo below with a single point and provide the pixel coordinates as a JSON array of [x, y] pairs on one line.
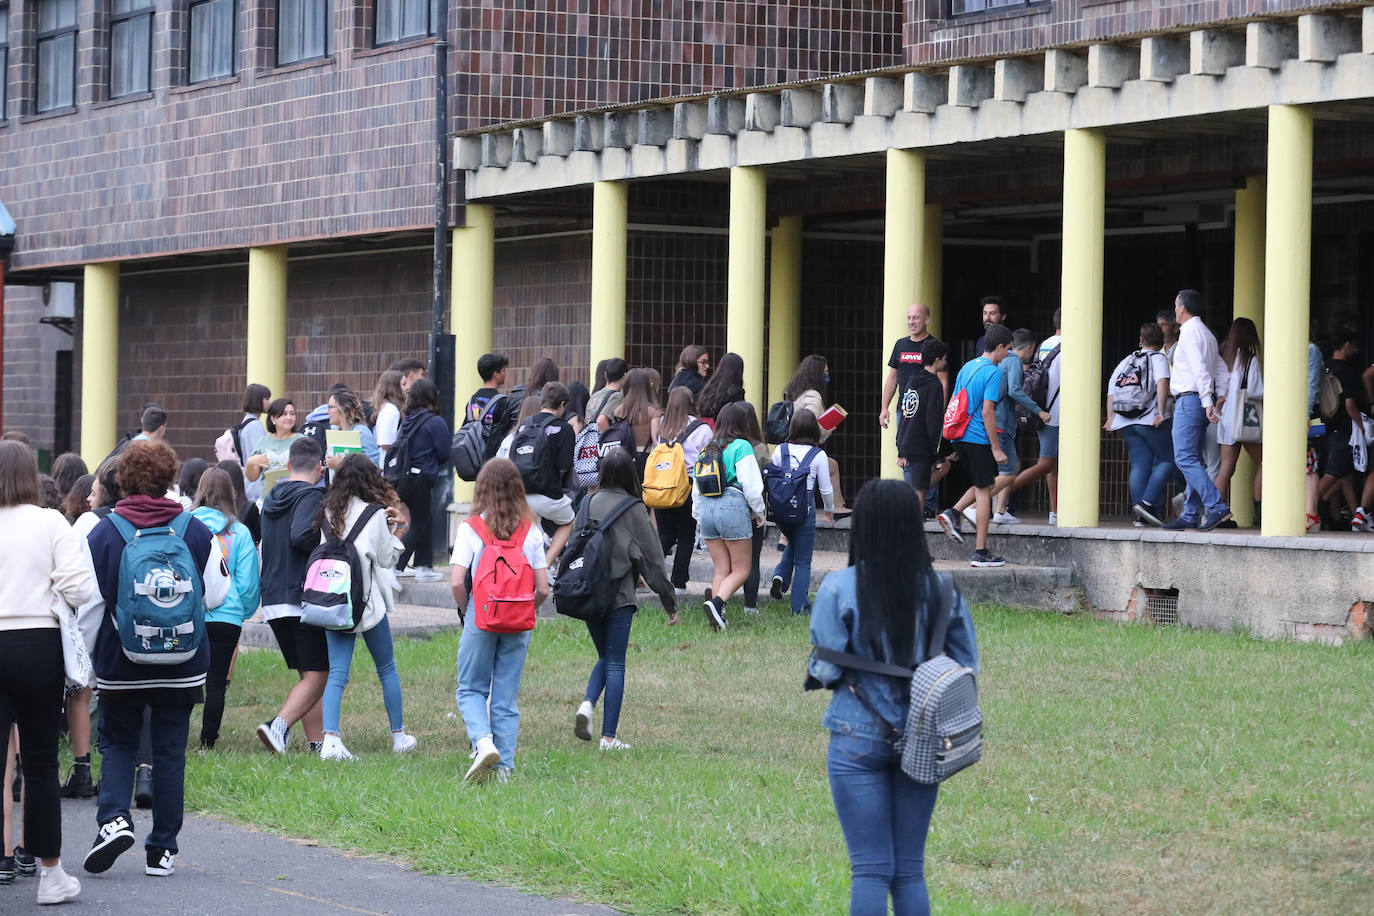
[[921, 409]]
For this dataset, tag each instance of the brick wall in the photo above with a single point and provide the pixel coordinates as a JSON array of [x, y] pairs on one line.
[[30, 366]]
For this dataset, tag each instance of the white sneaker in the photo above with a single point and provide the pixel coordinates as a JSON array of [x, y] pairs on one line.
[[1054, 519], [334, 749], [503, 774], [274, 735], [971, 514], [407, 573], [680, 592], [425, 574], [751, 612], [486, 757], [1006, 518], [401, 743], [582, 722], [56, 886], [614, 744]]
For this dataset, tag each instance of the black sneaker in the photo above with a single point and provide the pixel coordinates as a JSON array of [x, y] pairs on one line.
[[984, 558], [775, 590], [78, 784], [114, 838], [161, 863], [1148, 513], [25, 862], [715, 613], [8, 870], [949, 523]]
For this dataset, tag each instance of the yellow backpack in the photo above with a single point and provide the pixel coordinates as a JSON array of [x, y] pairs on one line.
[[667, 484]]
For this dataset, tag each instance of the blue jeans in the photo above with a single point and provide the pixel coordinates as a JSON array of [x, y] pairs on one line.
[[121, 722], [795, 566], [489, 669], [1151, 451], [611, 636], [379, 645], [1190, 425], [885, 817]]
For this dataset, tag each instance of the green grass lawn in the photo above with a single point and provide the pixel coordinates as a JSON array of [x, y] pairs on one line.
[[1127, 769]]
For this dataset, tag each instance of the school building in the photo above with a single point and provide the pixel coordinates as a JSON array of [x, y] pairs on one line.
[[218, 192]]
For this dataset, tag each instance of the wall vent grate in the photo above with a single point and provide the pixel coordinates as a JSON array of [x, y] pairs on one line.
[[1161, 606]]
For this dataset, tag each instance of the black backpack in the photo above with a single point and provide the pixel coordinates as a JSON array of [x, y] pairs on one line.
[[620, 434], [396, 464], [584, 588], [533, 456], [469, 450], [499, 419], [779, 422], [1037, 380]]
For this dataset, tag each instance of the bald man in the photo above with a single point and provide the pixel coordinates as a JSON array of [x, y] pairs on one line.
[[909, 357]]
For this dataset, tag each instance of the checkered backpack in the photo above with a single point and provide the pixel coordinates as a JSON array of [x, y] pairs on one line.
[[944, 724]]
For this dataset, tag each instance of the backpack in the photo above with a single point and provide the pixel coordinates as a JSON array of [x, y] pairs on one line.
[[1037, 380], [160, 602], [333, 595], [667, 484], [787, 489], [944, 723], [620, 434], [469, 449], [229, 445], [533, 456], [584, 588], [710, 472], [587, 456], [503, 584], [956, 416], [396, 461], [779, 422], [1329, 395], [1132, 389]]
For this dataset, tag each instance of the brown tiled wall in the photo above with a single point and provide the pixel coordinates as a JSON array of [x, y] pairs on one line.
[[29, 365], [675, 296], [543, 304]]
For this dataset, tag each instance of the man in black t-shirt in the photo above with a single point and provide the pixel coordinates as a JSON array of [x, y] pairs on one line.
[[908, 357], [994, 312], [920, 417], [492, 368]]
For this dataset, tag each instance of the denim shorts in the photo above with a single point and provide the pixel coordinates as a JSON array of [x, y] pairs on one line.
[[1013, 463], [1049, 441], [725, 517]]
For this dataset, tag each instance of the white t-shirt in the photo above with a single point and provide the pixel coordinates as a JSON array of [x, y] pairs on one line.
[[387, 425], [467, 547], [1159, 369], [819, 472], [1045, 349]]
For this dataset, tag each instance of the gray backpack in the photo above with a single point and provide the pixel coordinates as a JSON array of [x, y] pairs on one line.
[[944, 724]]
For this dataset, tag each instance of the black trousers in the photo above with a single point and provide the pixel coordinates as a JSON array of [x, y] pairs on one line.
[[677, 528], [224, 639], [751, 584], [31, 686], [417, 492]]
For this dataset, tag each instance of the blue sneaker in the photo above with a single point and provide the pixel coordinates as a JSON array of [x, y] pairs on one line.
[[1179, 524], [1212, 519]]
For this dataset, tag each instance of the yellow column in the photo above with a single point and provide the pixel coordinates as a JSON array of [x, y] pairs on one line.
[[1287, 291], [267, 318], [903, 247], [1080, 392], [932, 265], [1248, 302], [744, 290], [610, 217], [784, 304], [472, 293], [99, 361]]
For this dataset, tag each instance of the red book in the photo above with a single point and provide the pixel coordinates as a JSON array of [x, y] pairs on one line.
[[832, 417]]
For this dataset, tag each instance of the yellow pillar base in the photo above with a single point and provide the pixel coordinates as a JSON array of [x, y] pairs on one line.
[[99, 362]]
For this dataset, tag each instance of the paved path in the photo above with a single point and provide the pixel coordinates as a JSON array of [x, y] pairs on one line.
[[224, 869]]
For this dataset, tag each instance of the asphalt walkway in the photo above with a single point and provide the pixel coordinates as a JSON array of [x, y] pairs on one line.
[[225, 869]]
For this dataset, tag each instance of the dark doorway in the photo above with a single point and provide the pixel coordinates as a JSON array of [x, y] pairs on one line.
[[63, 406]]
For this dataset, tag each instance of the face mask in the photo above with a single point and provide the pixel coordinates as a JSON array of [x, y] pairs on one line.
[[826, 379]]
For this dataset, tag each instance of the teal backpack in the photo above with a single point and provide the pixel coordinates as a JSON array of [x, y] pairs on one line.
[[160, 604]]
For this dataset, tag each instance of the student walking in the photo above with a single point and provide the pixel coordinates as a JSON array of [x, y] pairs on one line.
[[750, 591], [677, 529], [725, 386], [883, 606], [727, 515], [805, 391], [490, 663], [1047, 462], [632, 553], [167, 691], [422, 446], [357, 486], [1244, 389], [216, 507], [543, 452], [1014, 397], [1198, 376], [802, 450], [1138, 408], [44, 575], [921, 411], [636, 416], [693, 365], [388, 400]]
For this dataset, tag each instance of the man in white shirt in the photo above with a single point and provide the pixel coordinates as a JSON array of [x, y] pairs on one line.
[[1198, 382]]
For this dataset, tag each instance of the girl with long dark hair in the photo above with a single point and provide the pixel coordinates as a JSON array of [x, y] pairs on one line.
[[641, 409], [726, 386], [693, 364], [806, 390], [1240, 352], [542, 372], [272, 450], [426, 440], [358, 484], [883, 606], [802, 450], [727, 522], [677, 529]]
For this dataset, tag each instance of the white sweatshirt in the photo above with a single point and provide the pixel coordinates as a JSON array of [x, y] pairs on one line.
[[42, 563]]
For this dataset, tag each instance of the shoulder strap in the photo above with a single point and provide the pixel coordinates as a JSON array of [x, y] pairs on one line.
[[180, 524], [125, 527], [522, 530], [621, 508], [479, 527], [687, 432], [860, 663], [786, 457], [244, 423], [810, 457], [362, 521]]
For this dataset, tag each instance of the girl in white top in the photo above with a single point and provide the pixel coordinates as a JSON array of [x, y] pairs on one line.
[[387, 401], [1240, 352], [795, 566], [272, 451], [357, 485], [804, 391], [727, 521]]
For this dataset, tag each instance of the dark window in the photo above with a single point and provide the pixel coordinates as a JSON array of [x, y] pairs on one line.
[[4, 59], [64, 401], [56, 54], [302, 30], [131, 46], [398, 20], [963, 7], [213, 36]]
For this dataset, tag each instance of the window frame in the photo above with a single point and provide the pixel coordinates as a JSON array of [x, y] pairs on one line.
[[328, 44], [191, 40], [377, 42], [40, 39], [5, 62], [1002, 8], [148, 10]]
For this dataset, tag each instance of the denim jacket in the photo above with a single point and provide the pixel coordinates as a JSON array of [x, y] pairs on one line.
[[834, 625]]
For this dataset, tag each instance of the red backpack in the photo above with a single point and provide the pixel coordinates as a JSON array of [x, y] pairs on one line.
[[956, 416], [503, 583]]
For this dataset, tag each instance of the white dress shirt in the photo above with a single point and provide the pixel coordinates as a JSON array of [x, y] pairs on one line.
[[1197, 366]]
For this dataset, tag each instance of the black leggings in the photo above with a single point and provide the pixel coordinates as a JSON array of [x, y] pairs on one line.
[[31, 684], [677, 528], [224, 639], [751, 584], [417, 492]]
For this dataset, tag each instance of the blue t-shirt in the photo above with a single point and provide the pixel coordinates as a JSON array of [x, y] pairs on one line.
[[983, 380]]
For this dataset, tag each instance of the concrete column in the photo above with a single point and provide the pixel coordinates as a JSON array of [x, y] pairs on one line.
[[744, 296], [1287, 303], [932, 265], [903, 247], [471, 296], [784, 304], [267, 318], [610, 217], [99, 361], [1248, 302], [1080, 392]]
